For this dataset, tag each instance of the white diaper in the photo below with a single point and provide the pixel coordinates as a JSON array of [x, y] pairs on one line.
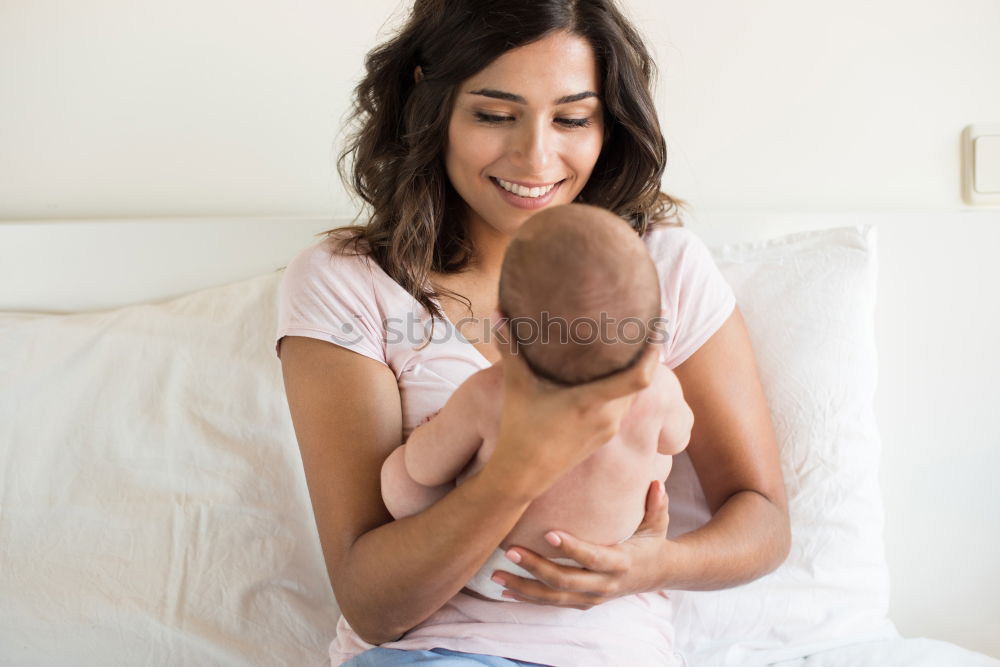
[[483, 584]]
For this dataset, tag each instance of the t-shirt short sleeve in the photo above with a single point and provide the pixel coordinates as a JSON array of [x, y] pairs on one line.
[[696, 298], [330, 296]]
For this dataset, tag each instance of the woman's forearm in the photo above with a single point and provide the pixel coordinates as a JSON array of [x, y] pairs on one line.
[[746, 538], [398, 574]]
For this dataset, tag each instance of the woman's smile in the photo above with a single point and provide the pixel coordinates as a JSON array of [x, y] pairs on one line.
[[526, 196]]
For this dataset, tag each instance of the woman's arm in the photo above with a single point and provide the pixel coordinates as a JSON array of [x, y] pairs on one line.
[[389, 576], [735, 455]]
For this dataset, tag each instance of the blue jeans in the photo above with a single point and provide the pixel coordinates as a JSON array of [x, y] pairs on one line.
[[389, 657]]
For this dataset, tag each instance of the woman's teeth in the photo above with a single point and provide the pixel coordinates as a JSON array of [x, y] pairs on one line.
[[522, 191]]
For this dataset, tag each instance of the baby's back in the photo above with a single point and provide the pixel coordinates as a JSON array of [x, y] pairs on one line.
[[602, 500]]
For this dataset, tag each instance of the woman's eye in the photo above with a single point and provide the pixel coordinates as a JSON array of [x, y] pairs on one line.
[[492, 119], [495, 119], [573, 122]]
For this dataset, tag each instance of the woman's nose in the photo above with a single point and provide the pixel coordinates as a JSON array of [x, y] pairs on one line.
[[532, 150]]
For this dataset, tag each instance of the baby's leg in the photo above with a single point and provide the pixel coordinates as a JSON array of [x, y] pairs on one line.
[[401, 495]]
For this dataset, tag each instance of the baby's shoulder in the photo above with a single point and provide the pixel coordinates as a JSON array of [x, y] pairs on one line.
[[665, 386], [484, 386], [479, 399]]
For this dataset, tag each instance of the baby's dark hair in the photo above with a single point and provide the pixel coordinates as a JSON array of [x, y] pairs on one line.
[[581, 294]]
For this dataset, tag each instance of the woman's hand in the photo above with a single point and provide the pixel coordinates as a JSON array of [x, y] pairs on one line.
[[634, 566], [545, 430]]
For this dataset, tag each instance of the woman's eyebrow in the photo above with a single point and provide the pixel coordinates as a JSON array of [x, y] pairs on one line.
[[511, 97]]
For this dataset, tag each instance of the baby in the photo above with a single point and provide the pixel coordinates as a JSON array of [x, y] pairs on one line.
[[582, 295]]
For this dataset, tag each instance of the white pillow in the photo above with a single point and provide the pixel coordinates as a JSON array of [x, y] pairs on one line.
[[808, 300], [154, 508], [155, 511]]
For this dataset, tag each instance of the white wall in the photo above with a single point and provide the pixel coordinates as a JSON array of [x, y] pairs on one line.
[[231, 107], [118, 108], [122, 108], [798, 104]]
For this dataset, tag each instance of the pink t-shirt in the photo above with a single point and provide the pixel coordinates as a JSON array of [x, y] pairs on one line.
[[350, 301]]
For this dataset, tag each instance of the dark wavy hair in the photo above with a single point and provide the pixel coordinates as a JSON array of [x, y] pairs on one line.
[[396, 150]]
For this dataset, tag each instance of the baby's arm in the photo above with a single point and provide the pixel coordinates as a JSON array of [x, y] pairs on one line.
[[439, 449], [420, 472], [402, 496], [678, 419]]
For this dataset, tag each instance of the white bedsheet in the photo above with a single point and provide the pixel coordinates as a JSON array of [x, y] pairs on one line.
[[897, 652]]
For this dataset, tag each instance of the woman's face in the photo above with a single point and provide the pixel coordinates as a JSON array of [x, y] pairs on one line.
[[525, 132]]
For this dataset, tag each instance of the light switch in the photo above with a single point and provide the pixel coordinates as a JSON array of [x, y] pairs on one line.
[[981, 164], [987, 164]]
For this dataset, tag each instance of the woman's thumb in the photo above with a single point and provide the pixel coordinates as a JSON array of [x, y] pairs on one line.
[[656, 518]]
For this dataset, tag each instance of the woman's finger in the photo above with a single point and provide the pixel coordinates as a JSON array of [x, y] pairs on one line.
[[594, 557], [636, 378], [570, 578], [657, 516], [539, 592]]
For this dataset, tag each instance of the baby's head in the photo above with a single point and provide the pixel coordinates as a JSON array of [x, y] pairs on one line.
[[581, 293]]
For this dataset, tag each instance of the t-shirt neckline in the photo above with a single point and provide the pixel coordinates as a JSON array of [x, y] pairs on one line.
[[454, 329]]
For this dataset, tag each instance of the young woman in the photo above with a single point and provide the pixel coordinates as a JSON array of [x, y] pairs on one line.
[[471, 118]]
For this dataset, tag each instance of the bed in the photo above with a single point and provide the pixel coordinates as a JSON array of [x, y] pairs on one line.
[[153, 510]]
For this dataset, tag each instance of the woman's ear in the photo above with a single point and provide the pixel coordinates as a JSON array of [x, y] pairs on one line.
[[418, 74]]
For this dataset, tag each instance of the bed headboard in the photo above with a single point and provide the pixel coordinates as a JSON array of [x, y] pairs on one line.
[[63, 266]]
